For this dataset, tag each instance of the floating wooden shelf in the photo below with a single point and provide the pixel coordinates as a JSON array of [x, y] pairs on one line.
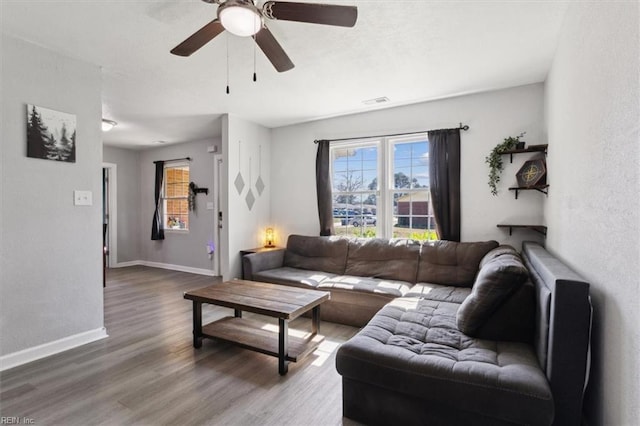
[[539, 188], [532, 148], [538, 228]]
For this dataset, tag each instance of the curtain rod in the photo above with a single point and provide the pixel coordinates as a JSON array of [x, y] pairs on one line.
[[175, 159], [461, 127]]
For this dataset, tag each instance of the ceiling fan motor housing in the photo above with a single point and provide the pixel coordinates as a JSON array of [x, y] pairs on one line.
[[240, 17]]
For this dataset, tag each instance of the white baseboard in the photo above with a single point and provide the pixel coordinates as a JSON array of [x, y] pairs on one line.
[[178, 268], [47, 349], [126, 264]]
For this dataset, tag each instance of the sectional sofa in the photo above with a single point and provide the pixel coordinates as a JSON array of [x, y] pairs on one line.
[[453, 333]]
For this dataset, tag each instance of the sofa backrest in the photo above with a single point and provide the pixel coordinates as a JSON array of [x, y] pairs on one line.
[[382, 258], [452, 263], [328, 254], [563, 329]]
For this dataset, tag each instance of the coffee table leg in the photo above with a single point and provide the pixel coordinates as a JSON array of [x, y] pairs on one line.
[[197, 324], [315, 320], [237, 313], [283, 364]]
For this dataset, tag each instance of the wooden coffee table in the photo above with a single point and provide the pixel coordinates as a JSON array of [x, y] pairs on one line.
[[279, 301]]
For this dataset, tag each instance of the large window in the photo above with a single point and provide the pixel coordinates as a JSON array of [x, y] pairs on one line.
[[175, 195], [381, 188]]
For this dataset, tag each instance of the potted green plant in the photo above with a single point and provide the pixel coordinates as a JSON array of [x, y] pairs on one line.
[[494, 160]]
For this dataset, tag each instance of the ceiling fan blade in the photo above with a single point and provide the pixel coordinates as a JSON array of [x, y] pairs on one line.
[[272, 49], [314, 13], [198, 39]]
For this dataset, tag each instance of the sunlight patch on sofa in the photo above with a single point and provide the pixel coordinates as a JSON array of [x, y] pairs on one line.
[[406, 304]]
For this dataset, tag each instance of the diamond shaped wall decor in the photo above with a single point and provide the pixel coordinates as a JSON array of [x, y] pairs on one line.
[[250, 199], [259, 185], [239, 183]]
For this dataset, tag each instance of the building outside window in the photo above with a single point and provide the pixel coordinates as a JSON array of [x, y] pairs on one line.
[[380, 188], [175, 196]]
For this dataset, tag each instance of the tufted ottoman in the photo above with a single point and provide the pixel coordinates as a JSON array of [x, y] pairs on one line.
[[411, 365]]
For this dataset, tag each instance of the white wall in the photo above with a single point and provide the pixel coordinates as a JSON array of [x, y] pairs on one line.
[[186, 249], [592, 108], [491, 116], [128, 201], [243, 144], [51, 263]]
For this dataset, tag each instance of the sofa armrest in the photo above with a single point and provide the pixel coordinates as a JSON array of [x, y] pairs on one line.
[[256, 262]]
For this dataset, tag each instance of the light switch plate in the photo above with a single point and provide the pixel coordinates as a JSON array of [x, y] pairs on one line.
[[82, 198], [209, 206]]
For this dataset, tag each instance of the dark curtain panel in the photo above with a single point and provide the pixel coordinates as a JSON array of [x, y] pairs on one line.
[[444, 181], [157, 228], [323, 187]]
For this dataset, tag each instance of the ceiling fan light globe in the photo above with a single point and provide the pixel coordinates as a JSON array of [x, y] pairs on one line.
[[243, 21]]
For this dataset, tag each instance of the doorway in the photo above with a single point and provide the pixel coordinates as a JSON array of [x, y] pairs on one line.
[[218, 221], [109, 218]]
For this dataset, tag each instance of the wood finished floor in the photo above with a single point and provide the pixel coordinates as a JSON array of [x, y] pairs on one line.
[[148, 373]]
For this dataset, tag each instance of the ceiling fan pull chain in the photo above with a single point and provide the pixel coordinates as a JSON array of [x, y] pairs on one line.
[[255, 38], [227, 63], [254, 60]]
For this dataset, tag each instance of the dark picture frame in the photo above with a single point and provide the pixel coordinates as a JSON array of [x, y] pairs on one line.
[[532, 173], [51, 135]]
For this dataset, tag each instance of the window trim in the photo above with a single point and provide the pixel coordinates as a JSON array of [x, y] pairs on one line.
[[390, 142], [385, 176], [172, 165]]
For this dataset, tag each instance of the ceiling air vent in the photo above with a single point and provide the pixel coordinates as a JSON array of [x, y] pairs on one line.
[[380, 100]]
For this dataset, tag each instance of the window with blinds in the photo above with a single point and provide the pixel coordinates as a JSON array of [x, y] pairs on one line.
[[175, 195]]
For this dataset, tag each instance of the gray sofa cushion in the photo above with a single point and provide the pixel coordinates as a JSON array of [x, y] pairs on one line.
[[391, 288], [379, 258], [414, 347], [497, 252], [500, 277], [355, 300], [292, 276], [261, 261], [452, 263], [441, 293], [327, 254], [514, 320]]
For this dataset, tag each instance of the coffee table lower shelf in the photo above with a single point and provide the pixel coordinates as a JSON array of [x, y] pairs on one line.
[[253, 335]]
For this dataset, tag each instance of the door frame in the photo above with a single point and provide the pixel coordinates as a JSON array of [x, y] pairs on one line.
[[217, 173], [112, 229]]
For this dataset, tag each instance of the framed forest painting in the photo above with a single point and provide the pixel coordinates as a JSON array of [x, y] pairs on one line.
[[51, 135]]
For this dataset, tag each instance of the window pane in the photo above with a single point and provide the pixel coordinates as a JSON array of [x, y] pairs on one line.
[[410, 164], [176, 214], [354, 169], [357, 218], [413, 217]]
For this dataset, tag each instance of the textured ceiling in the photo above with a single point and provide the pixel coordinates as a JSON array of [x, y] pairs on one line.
[[408, 51]]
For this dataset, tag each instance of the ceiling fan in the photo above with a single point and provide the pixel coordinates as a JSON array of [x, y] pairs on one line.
[[244, 18]]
